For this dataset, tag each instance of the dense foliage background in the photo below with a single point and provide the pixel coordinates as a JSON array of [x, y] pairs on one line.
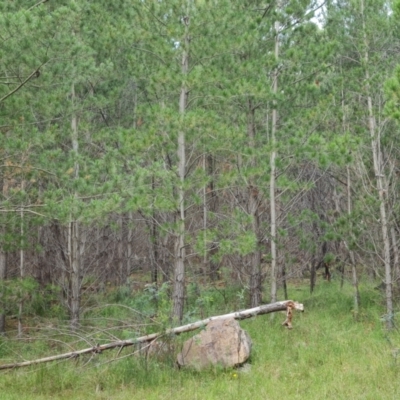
[[196, 142]]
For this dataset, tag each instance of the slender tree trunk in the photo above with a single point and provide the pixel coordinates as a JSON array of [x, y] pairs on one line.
[[349, 210], [351, 252], [129, 246], [284, 283], [273, 172], [3, 269], [255, 275], [120, 249], [313, 271], [380, 179], [165, 258], [205, 212], [21, 266], [62, 260], [254, 202], [73, 234], [180, 251], [210, 206], [74, 262], [3, 276], [154, 243], [154, 250], [395, 247]]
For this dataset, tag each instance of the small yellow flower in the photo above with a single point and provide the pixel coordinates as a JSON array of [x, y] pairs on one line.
[[234, 375]]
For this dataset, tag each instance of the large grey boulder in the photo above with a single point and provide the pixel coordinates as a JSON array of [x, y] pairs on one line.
[[223, 343]]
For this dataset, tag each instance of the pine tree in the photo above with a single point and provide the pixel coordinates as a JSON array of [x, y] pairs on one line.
[[365, 66]]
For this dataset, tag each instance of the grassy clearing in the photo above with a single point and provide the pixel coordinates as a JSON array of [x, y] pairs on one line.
[[326, 356]]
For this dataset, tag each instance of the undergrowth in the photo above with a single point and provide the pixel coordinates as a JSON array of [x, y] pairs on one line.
[[328, 354]]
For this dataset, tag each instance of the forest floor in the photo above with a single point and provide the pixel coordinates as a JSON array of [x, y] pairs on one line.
[[327, 354]]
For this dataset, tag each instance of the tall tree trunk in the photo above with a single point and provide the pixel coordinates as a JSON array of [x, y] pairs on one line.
[[21, 266], [273, 172], [313, 272], [205, 212], [3, 276], [254, 202], [74, 262], [129, 246], [351, 252], [3, 268], [154, 249], [210, 206], [284, 282], [154, 243], [120, 250], [396, 266], [379, 177], [180, 251], [255, 274], [349, 210], [73, 233]]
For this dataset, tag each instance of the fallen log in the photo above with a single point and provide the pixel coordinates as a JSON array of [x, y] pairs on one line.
[[286, 305]]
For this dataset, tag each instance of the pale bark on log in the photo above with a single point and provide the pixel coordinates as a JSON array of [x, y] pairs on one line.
[[252, 312]]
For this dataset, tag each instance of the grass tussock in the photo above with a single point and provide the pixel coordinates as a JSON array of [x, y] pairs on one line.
[[328, 355]]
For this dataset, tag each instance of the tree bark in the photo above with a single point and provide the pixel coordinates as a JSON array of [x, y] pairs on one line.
[[73, 233], [273, 172], [351, 252], [3, 269], [210, 206], [3, 276], [129, 246], [379, 178], [120, 250], [74, 262], [395, 247], [205, 213], [255, 283], [313, 273], [349, 210], [154, 243], [21, 265], [180, 251]]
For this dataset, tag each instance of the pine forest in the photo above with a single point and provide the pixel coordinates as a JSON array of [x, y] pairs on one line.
[[178, 156]]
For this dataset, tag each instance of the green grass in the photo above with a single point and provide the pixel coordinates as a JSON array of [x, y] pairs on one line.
[[327, 355]]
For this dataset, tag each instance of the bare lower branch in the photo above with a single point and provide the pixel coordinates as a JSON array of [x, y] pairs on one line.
[[19, 209], [38, 4], [34, 73]]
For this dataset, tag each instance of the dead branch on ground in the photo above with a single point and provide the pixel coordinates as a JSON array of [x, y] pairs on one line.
[[286, 305]]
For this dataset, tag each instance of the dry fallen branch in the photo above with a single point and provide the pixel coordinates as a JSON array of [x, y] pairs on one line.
[[287, 305], [35, 73]]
